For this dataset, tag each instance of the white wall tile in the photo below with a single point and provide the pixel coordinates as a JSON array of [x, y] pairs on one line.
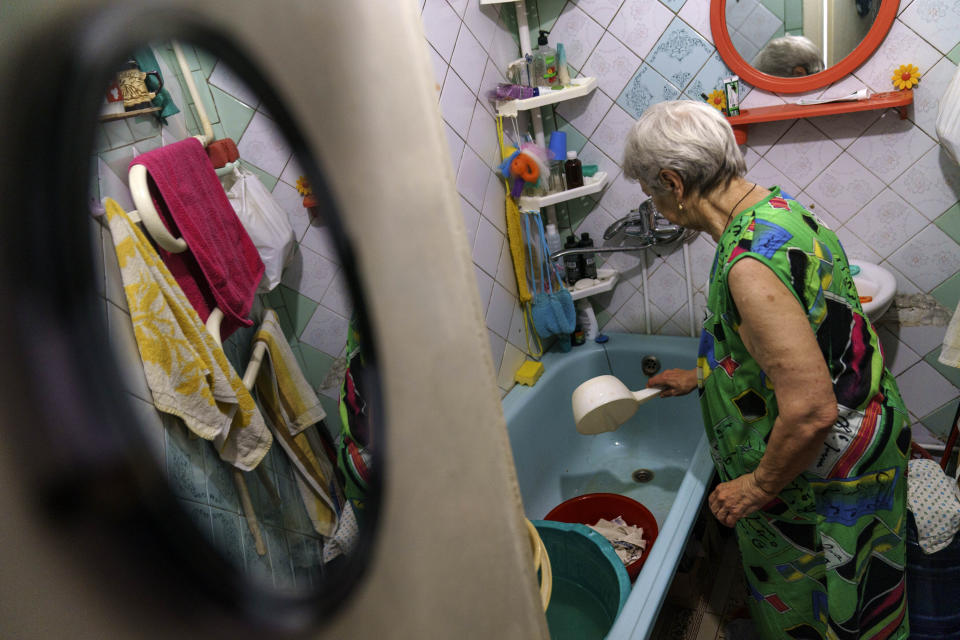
[[612, 132], [928, 258], [897, 356], [890, 146], [504, 48], [127, 354], [113, 283], [766, 175], [900, 46], [290, 200], [456, 104], [326, 331], [600, 10], [471, 218], [668, 290], [517, 335], [494, 202], [738, 12], [484, 288], [482, 21], [904, 284], [802, 153], [500, 310], [936, 21], [696, 13], [922, 339], [578, 33], [513, 358], [924, 389], [458, 5], [472, 178], [844, 187], [491, 77], [310, 274], [224, 78], [760, 98], [762, 25], [486, 248], [762, 136], [482, 136], [855, 248], [456, 144], [885, 221], [497, 347], [338, 298], [441, 26], [640, 24], [612, 64], [622, 196], [631, 315], [263, 145], [926, 95], [469, 59], [440, 68], [932, 184]]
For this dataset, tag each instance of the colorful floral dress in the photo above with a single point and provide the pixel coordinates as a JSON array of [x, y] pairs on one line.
[[825, 558]]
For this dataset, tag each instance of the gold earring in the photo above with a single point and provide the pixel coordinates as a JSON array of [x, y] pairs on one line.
[[680, 205]]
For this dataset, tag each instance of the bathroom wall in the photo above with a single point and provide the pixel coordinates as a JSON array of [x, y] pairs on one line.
[[882, 183], [312, 303], [752, 23]]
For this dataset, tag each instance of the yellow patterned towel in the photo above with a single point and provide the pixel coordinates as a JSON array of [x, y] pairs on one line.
[[291, 406], [186, 370]]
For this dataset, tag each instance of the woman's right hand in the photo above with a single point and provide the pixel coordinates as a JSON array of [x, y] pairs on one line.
[[674, 382]]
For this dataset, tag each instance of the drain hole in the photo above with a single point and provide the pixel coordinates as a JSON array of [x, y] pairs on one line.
[[642, 475]]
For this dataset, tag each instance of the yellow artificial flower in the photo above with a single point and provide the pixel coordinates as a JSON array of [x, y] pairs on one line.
[[906, 76], [717, 100], [303, 187]]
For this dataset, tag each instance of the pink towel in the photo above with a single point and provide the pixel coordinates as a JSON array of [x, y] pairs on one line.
[[221, 266]]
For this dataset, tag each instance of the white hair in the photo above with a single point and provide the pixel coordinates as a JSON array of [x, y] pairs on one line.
[[781, 56], [691, 138]]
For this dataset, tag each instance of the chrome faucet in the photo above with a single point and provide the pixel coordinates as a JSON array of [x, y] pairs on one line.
[[643, 223]]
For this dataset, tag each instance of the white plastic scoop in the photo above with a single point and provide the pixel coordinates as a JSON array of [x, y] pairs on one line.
[[604, 403]]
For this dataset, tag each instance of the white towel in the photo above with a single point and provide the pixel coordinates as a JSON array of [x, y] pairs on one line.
[[187, 372], [950, 354]]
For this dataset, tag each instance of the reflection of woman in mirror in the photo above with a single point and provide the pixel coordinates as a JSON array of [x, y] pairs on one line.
[[816, 449], [789, 56]]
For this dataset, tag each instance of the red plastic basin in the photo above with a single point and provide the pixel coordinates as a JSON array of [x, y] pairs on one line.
[[589, 508]]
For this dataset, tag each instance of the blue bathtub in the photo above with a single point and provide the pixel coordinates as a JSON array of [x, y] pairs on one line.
[[554, 462]]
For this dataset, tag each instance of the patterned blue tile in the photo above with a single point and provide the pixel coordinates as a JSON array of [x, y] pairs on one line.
[[674, 5], [276, 541], [711, 77], [221, 490], [185, 470], [228, 535], [647, 87], [679, 52]]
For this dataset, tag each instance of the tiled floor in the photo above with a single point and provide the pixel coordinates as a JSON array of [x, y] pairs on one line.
[[709, 594]]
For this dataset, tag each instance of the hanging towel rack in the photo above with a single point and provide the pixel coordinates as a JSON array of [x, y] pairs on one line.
[[146, 213]]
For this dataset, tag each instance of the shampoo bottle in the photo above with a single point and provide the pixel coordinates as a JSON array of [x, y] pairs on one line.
[[587, 319], [571, 262], [589, 259], [545, 64]]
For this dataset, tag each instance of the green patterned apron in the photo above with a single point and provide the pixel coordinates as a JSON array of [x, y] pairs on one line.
[[825, 558]]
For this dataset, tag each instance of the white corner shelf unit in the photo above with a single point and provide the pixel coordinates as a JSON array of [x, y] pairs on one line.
[[606, 280], [591, 184], [578, 88]]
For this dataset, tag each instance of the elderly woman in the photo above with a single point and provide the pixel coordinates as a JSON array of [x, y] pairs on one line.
[[806, 425], [789, 56]]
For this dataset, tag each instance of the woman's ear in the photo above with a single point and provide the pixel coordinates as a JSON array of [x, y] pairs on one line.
[[671, 179]]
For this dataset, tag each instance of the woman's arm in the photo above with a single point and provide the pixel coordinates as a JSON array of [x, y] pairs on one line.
[[776, 331], [674, 382]]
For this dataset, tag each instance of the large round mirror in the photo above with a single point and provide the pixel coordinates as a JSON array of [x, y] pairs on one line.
[[229, 375], [798, 45]]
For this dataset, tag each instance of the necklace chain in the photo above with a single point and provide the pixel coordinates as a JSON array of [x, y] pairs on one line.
[[730, 217]]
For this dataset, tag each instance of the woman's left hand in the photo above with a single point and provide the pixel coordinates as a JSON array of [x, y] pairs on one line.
[[738, 498]]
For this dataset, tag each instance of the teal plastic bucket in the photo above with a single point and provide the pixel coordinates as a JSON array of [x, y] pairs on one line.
[[590, 583]]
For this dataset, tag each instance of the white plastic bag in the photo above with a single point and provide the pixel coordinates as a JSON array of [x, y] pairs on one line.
[[265, 222], [948, 118]]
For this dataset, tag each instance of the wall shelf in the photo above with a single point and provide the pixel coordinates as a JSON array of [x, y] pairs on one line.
[[591, 185], [899, 100], [579, 87], [605, 281], [122, 115]]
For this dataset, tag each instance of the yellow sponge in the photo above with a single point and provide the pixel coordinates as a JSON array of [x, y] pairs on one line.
[[528, 373]]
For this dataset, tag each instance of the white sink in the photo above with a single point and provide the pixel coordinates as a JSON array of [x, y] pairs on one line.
[[876, 282]]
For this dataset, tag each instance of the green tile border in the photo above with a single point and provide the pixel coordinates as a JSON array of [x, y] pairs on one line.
[[268, 180], [300, 307], [947, 292], [940, 421], [949, 222], [318, 364], [950, 373], [234, 115], [954, 55]]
